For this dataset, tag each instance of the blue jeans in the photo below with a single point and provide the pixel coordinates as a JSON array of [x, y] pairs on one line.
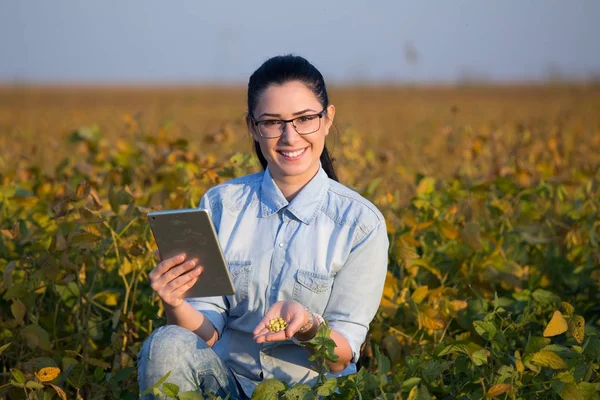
[[193, 364]]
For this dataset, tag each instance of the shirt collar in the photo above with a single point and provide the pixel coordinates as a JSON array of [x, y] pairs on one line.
[[304, 206]]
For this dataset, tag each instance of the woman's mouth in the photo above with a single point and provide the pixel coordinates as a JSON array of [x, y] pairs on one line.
[[292, 155]]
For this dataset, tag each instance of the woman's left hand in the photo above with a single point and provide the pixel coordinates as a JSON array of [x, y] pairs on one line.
[[292, 312]]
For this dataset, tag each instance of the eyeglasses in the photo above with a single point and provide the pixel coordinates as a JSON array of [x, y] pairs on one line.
[[304, 125]]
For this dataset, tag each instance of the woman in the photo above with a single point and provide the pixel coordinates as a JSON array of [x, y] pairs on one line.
[[299, 246]]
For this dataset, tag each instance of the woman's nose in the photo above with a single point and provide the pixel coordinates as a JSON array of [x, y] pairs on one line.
[[289, 132]]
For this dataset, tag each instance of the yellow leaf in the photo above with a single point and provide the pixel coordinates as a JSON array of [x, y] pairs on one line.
[[423, 225], [108, 298], [83, 189], [419, 294], [407, 240], [410, 220], [549, 359], [391, 229], [125, 267], [426, 185], [556, 326], [412, 395], [389, 293], [390, 197], [577, 328], [520, 366], [448, 231], [47, 374], [431, 319], [498, 389], [457, 305], [8, 234], [436, 294], [567, 309]]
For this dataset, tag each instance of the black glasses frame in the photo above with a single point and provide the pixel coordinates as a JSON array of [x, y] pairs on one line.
[[286, 121]]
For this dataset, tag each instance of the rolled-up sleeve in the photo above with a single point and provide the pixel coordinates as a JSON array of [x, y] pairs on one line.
[[214, 308], [358, 287]]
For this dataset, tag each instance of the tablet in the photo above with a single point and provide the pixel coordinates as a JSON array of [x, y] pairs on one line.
[[191, 231]]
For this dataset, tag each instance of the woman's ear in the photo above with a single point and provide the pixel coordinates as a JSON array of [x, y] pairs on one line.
[[329, 117], [251, 127]]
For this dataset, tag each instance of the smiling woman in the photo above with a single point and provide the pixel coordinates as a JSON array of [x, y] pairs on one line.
[[301, 249], [292, 148]]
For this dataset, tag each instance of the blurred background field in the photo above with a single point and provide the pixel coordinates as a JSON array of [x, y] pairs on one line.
[[531, 131]]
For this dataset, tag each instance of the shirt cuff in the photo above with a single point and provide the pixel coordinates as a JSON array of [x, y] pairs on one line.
[[355, 335], [214, 314]]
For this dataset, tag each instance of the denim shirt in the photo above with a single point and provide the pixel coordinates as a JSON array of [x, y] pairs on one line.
[[327, 249]]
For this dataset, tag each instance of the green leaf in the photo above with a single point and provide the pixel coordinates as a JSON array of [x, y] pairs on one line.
[[409, 383], [549, 359], [299, 392], [98, 363], [122, 374], [588, 390], [545, 297], [190, 396], [328, 387], [18, 375], [82, 238], [4, 347], [35, 364], [18, 310], [162, 380], [479, 357], [76, 375], [372, 186], [431, 370], [34, 385], [268, 389], [419, 393], [383, 366], [15, 292], [170, 389], [35, 336], [89, 134], [536, 343], [571, 392], [592, 350], [99, 374], [485, 329]]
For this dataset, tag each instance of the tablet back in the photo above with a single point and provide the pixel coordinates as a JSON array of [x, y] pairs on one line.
[[191, 231]]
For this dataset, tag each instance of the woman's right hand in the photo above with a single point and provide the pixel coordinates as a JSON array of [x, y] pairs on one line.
[[173, 277]]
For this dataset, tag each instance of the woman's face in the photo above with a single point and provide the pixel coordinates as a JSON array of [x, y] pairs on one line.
[[291, 155]]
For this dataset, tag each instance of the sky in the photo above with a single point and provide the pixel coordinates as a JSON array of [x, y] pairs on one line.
[[194, 41]]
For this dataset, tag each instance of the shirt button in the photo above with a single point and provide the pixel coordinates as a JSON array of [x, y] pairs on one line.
[[281, 244]]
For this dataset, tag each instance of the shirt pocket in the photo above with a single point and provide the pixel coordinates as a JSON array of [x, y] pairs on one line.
[[240, 272], [312, 289]]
